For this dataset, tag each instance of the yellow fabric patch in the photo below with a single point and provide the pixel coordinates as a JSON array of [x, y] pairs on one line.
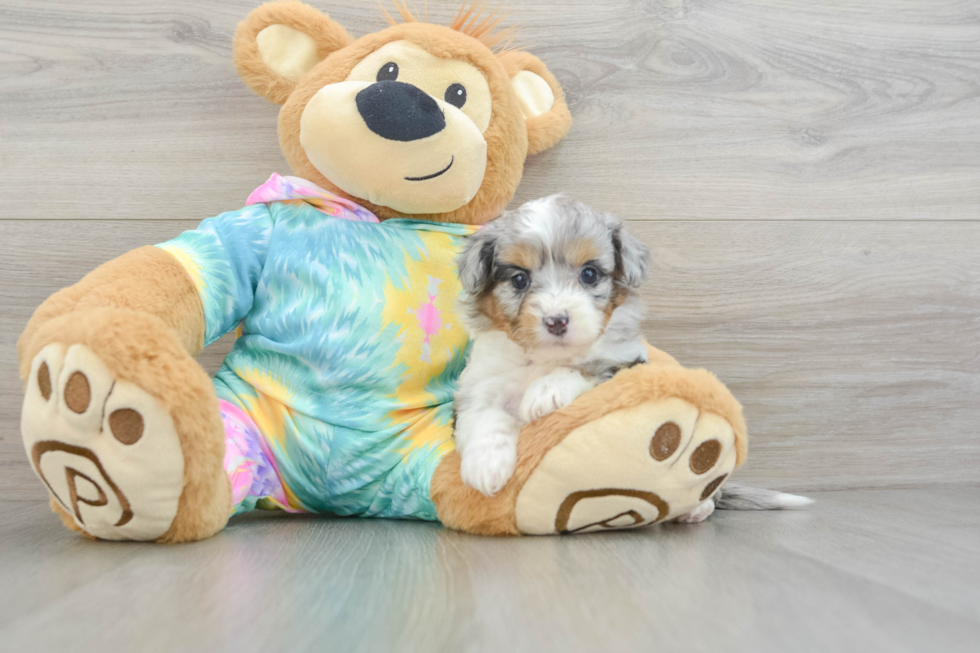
[[270, 408], [431, 337]]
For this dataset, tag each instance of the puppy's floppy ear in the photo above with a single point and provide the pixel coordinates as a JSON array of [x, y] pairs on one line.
[[278, 43], [632, 256], [542, 100], [475, 262]]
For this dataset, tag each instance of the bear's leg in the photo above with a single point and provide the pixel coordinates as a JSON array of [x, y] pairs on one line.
[[256, 481], [123, 428], [650, 445]]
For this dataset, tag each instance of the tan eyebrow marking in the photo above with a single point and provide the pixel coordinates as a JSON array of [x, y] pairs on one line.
[[580, 252], [522, 255]]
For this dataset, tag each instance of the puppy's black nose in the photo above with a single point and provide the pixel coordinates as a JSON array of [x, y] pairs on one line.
[[399, 112], [557, 324]]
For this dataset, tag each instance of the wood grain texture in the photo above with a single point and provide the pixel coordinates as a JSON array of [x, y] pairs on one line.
[[684, 109], [859, 571], [854, 347], [808, 175]]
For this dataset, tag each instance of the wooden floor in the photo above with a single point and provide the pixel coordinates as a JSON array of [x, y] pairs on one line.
[[871, 570], [807, 175]]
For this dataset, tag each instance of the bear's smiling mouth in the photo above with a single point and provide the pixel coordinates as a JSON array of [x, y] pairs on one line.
[[434, 175]]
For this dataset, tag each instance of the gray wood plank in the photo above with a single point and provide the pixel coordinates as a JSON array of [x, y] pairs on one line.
[[852, 340], [854, 347], [859, 571], [709, 110]]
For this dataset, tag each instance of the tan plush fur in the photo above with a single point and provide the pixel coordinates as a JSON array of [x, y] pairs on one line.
[[146, 279], [461, 507], [473, 20], [544, 131], [141, 315], [328, 35], [506, 136], [65, 518], [510, 138]]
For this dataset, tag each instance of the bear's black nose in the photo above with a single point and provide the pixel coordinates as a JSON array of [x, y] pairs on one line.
[[399, 111]]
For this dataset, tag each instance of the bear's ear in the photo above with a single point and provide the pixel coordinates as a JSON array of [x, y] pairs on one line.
[[542, 100], [278, 43]]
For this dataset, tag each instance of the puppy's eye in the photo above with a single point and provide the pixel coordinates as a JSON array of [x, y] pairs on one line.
[[520, 281], [589, 275], [456, 95], [388, 72]]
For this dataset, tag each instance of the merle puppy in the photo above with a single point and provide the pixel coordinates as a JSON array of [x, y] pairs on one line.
[[551, 307]]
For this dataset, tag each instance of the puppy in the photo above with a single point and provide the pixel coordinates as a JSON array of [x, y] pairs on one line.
[[550, 303]]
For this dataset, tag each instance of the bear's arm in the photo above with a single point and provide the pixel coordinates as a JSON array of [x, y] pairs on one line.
[[200, 284], [147, 280], [224, 258]]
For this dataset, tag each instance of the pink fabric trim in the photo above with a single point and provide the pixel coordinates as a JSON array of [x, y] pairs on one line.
[[282, 189], [249, 462]]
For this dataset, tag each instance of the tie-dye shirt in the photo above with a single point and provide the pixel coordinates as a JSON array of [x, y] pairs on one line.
[[348, 349]]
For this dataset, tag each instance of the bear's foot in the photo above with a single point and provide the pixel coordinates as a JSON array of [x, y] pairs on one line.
[[631, 467], [107, 451], [653, 444], [122, 426]]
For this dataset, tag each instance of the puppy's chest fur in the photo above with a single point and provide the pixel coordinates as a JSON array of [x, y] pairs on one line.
[[501, 371]]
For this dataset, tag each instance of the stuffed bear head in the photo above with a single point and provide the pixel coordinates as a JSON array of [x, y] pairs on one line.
[[418, 119]]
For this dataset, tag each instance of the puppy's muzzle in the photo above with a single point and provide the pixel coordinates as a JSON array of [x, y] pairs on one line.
[[399, 112], [557, 325]]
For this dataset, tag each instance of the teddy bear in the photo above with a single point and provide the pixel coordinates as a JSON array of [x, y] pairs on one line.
[[341, 284]]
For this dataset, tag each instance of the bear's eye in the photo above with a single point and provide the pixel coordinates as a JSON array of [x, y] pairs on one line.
[[520, 281], [388, 72], [589, 275], [456, 95]]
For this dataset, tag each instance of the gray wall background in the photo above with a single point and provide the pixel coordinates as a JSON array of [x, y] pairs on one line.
[[806, 174]]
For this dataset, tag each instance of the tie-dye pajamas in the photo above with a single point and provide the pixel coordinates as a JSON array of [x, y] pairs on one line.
[[337, 396]]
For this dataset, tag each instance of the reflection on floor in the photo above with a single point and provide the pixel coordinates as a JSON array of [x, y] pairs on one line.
[[892, 570]]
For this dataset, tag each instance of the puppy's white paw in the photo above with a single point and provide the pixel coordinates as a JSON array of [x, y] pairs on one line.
[[699, 514], [488, 465], [552, 392]]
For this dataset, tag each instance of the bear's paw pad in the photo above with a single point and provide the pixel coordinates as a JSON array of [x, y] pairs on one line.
[[630, 468], [107, 451]]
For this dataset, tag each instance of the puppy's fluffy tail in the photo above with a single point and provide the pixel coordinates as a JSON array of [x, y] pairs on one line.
[[742, 497]]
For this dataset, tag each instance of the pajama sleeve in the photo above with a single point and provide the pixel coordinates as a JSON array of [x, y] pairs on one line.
[[224, 257]]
